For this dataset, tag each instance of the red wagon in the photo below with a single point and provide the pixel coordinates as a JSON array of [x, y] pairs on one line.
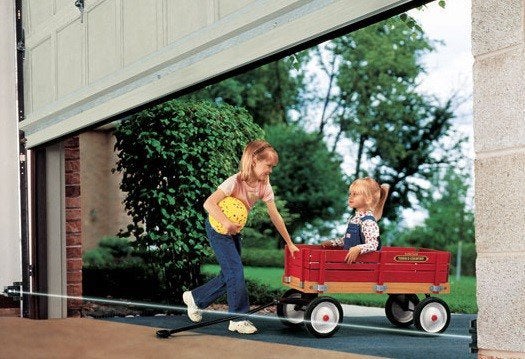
[[400, 272]]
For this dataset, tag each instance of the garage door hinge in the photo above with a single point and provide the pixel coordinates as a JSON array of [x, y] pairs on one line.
[[21, 45]]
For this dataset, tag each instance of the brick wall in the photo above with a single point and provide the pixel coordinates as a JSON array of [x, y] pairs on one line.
[[73, 225]]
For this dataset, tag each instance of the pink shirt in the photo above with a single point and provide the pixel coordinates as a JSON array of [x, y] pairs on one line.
[[249, 195]]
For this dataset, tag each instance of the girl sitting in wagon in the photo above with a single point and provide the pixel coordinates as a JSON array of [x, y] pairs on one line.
[[362, 234]]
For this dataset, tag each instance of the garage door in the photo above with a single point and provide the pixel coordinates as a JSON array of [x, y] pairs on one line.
[[85, 69]]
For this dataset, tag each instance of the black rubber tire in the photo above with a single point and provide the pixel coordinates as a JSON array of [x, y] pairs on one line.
[[323, 309], [432, 315], [291, 315], [399, 309]]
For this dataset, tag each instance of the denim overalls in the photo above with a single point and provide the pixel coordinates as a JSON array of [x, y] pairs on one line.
[[354, 236]]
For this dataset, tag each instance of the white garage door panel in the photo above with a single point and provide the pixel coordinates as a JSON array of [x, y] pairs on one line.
[[135, 52], [70, 74], [141, 30]]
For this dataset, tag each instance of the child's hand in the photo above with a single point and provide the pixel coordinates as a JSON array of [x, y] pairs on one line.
[[232, 228], [352, 254], [292, 248], [327, 244]]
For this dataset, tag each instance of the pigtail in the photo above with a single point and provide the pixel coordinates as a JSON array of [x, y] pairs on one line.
[[378, 210]]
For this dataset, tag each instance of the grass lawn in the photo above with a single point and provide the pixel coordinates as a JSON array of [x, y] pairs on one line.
[[462, 297]]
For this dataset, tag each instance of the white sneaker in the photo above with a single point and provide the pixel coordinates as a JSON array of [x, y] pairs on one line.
[[243, 327], [194, 313]]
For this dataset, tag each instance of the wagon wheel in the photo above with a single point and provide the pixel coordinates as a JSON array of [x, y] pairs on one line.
[[323, 316], [432, 315], [292, 314], [399, 309]]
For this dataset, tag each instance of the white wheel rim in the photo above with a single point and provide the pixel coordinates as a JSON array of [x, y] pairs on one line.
[[292, 315], [433, 317], [325, 317], [403, 316]]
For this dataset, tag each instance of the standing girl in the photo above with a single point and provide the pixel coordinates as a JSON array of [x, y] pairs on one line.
[[249, 185], [362, 234]]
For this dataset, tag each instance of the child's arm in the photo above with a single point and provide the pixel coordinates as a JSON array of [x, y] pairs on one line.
[[211, 206], [278, 222]]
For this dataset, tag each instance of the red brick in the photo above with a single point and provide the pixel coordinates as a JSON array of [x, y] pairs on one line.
[[72, 153], [73, 227], [73, 252], [72, 178], [73, 239], [73, 214], [74, 310], [71, 142], [74, 277], [73, 202], [74, 264], [74, 290], [72, 166], [73, 191]]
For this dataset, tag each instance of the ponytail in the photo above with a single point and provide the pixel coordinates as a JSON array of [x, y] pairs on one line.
[[378, 211]]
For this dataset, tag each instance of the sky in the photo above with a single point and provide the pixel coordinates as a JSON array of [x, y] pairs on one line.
[[450, 66]]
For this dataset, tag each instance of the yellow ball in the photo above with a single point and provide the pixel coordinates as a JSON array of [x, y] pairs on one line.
[[234, 209]]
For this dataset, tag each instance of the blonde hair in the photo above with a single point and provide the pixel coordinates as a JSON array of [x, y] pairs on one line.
[[255, 150], [368, 187]]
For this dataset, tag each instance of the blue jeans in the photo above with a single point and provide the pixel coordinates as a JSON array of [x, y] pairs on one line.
[[231, 277]]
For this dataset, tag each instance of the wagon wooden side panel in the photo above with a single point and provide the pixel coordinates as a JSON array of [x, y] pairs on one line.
[[391, 270]]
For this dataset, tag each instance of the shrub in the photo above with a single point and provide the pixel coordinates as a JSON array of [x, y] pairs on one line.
[[172, 156], [256, 257], [258, 293], [114, 269]]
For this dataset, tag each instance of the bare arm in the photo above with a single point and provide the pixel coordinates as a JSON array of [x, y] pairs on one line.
[[278, 222]]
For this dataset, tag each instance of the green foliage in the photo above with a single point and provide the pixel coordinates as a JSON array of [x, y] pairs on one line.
[[114, 269], [172, 156], [259, 230], [111, 252], [373, 101], [258, 293], [268, 92], [308, 177], [259, 257], [450, 219]]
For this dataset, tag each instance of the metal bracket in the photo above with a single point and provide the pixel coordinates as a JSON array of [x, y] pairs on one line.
[[21, 44], [321, 287], [80, 4], [380, 288], [287, 279], [436, 288], [14, 290]]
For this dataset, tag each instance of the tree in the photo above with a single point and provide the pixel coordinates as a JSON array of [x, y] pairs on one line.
[[268, 92], [450, 219], [172, 156], [308, 178], [372, 99]]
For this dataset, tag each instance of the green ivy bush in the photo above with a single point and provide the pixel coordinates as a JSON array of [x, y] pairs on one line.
[[172, 156]]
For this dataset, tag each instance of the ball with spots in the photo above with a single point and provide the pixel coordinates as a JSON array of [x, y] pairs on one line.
[[234, 209]]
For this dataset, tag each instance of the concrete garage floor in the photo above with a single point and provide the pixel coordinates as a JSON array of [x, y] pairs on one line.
[[89, 338]]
